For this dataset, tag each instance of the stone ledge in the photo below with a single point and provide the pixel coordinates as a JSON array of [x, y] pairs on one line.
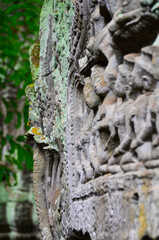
[[109, 182], [124, 207]]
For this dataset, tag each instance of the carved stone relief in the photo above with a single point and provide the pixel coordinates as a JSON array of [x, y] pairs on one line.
[[118, 72], [116, 132], [106, 185]]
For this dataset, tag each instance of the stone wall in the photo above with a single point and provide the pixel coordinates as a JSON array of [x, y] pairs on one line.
[[96, 176], [47, 116]]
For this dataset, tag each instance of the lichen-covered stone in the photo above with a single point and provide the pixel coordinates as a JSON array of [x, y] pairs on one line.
[[47, 112]]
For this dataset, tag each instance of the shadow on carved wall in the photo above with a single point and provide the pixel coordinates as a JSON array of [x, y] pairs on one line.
[[78, 235], [149, 238]]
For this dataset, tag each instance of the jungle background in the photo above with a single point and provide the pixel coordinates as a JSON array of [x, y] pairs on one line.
[[19, 26]]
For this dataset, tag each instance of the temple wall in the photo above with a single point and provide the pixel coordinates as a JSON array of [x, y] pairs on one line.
[[96, 156]]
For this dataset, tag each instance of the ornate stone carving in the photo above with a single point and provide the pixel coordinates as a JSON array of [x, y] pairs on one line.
[[117, 132], [115, 87]]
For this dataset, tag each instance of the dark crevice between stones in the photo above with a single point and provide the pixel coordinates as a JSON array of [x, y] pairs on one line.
[[135, 196], [78, 235], [149, 238], [105, 10], [100, 60]]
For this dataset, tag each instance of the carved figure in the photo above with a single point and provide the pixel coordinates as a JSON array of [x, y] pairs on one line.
[[97, 20], [83, 165], [151, 132], [90, 97], [130, 20], [103, 132], [123, 85], [97, 76], [119, 125], [143, 72], [134, 137]]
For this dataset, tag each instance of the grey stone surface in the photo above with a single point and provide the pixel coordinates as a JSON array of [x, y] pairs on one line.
[[96, 177]]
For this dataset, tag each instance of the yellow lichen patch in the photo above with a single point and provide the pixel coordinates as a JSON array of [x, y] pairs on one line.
[[36, 131], [42, 137], [146, 186], [145, 190], [31, 85], [153, 60], [28, 123], [142, 221]]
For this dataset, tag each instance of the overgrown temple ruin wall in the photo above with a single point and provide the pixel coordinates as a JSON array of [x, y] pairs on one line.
[[95, 120]]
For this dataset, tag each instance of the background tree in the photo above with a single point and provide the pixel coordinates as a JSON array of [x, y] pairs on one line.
[[18, 30]]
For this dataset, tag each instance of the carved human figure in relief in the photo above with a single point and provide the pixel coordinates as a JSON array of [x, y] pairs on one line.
[[101, 147], [135, 123], [118, 90], [152, 121], [132, 19], [119, 134], [137, 120], [123, 88], [83, 164], [123, 85], [94, 90], [144, 78]]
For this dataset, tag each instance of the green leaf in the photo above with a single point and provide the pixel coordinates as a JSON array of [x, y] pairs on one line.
[[18, 164], [13, 103], [12, 146], [8, 117], [1, 173], [3, 141], [19, 118], [20, 93], [9, 158], [28, 156], [7, 175], [21, 153], [9, 137], [5, 102], [20, 138], [15, 178], [29, 160], [2, 71]]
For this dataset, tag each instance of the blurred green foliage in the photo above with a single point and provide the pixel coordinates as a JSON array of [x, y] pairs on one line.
[[19, 26]]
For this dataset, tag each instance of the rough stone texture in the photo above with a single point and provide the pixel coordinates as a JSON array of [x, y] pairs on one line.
[[106, 185], [47, 115]]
